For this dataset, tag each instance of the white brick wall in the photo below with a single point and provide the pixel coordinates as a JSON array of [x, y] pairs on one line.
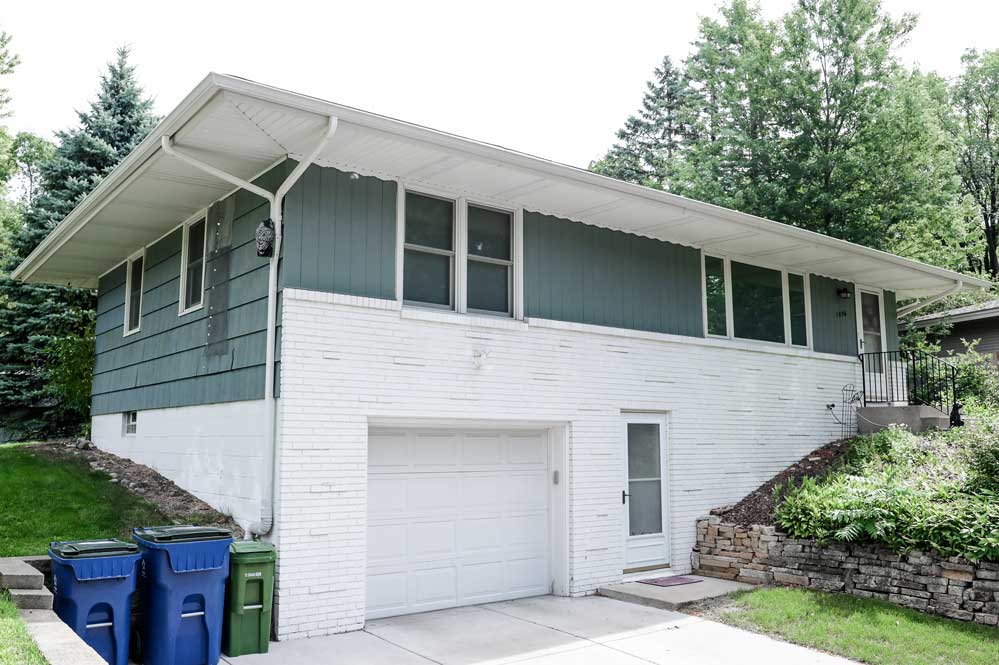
[[212, 450], [738, 413]]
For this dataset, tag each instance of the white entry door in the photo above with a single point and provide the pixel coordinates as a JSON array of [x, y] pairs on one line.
[[644, 496], [455, 518]]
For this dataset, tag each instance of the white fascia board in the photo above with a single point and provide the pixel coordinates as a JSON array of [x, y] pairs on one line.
[[216, 82], [582, 176], [119, 176]]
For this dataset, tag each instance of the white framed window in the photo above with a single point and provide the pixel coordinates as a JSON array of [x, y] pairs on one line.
[[130, 423], [192, 266], [133, 291], [747, 301], [458, 254]]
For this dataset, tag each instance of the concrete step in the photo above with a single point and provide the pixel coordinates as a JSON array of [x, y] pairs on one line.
[[16, 574], [31, 599], [936, 422], [671, 597], [57, 641]]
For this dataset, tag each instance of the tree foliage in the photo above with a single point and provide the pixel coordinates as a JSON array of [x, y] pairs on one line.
[[46, 332], [812, 120]]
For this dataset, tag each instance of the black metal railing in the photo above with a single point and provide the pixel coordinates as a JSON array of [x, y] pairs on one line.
[[909, 377]]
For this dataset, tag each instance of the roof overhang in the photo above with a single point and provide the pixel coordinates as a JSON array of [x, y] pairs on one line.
[[959, 315], [245, 127]]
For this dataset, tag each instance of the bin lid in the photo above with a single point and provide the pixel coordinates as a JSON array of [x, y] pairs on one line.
[[82, 549], [181, 533], [251, 552]]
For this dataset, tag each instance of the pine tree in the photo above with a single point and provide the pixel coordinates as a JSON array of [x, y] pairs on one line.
[[650, 142], [36, 320]]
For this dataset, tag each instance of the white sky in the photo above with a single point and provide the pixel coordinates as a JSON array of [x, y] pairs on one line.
[[554, 79]]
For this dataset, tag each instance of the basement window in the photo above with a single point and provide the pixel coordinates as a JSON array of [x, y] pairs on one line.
[[130, 422], [133, 292], [192, 272]]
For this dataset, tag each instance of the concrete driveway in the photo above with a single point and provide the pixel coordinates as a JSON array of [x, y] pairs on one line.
[[546, 630]]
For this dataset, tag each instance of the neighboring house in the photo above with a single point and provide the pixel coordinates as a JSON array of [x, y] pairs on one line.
[[967, 324], [491, 375]]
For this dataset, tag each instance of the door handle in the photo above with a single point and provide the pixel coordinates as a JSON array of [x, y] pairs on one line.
[[624, 495]]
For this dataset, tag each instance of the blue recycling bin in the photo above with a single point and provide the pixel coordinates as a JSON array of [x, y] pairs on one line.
[[183, 575], [93, 582]]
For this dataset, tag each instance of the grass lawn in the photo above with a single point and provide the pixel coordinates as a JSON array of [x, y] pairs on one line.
[[42, 501], [866, 630], [16, 647]]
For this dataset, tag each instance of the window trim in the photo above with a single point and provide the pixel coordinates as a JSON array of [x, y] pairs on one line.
[[729, 305], [129, 418], [185, 250], [459, 272], [452, 254], [510, 313], [128, 291]]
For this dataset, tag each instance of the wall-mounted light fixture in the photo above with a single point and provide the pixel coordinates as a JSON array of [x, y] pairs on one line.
[[265, 238], [844, 293]]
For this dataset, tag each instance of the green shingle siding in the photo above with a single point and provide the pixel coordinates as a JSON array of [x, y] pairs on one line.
[[586, 274], [166, 363], [834, 320], [340, 234]]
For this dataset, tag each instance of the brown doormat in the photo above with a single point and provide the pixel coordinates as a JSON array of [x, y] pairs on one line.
[[677, 580]]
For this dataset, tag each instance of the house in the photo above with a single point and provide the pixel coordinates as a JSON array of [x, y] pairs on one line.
[[436, 372], [972, 322]]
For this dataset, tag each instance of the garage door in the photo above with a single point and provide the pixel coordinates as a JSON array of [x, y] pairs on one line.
[[455, 518]]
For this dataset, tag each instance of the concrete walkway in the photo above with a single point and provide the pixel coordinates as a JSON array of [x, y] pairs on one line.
[[547, 630]]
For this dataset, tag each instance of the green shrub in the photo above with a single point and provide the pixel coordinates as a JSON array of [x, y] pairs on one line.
[[936, 491]]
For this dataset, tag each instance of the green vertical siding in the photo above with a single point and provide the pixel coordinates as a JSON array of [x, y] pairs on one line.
[[891, 322], [167, 363], [834, 320], [586, 274], [339, 234]]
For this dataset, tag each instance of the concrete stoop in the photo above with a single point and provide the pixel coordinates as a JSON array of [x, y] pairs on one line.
[[915, 418], [25, 584], [671, 597]]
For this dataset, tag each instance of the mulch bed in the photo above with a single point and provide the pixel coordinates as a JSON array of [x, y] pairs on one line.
[[759, 508], [178, 505]]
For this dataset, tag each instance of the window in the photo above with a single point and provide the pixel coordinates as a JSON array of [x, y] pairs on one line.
[[752, 302], [428, 261], [798, 309], [459, 255], [192, 272], [490, 259], [130, 422], [757, 303], [714, 291], [133, 293]]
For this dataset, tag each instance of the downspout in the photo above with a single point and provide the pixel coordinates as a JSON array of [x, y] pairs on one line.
[[916, 306], [266, 523]]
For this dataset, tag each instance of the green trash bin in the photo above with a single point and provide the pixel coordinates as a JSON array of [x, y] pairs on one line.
[[249, 598]]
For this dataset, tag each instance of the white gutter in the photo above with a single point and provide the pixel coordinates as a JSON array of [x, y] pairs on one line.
[[916, 306], [266, 523]]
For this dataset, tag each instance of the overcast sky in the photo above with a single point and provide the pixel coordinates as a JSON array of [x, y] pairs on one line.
[[551, 79]]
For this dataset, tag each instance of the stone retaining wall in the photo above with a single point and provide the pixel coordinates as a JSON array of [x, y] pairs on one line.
[[951, 587]]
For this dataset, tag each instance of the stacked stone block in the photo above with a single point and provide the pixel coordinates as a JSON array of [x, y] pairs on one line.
[[952, 587]]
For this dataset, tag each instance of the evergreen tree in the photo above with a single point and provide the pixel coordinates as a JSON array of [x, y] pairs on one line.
[[649, 143], [38, 322]]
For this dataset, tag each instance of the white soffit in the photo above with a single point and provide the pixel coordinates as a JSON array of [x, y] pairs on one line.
[[244, 128]]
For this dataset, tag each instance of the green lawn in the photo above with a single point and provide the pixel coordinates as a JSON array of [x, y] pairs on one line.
[[865, 630], [42, 501], [16, 646]]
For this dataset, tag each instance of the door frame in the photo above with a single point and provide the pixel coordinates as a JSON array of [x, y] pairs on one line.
[[859, 289], [662, 419]]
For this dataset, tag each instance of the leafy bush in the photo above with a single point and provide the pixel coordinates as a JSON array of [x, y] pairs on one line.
[[932, 492], [977, 375]]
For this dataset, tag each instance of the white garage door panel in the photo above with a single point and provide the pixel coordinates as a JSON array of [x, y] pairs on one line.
[[455, 518]]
